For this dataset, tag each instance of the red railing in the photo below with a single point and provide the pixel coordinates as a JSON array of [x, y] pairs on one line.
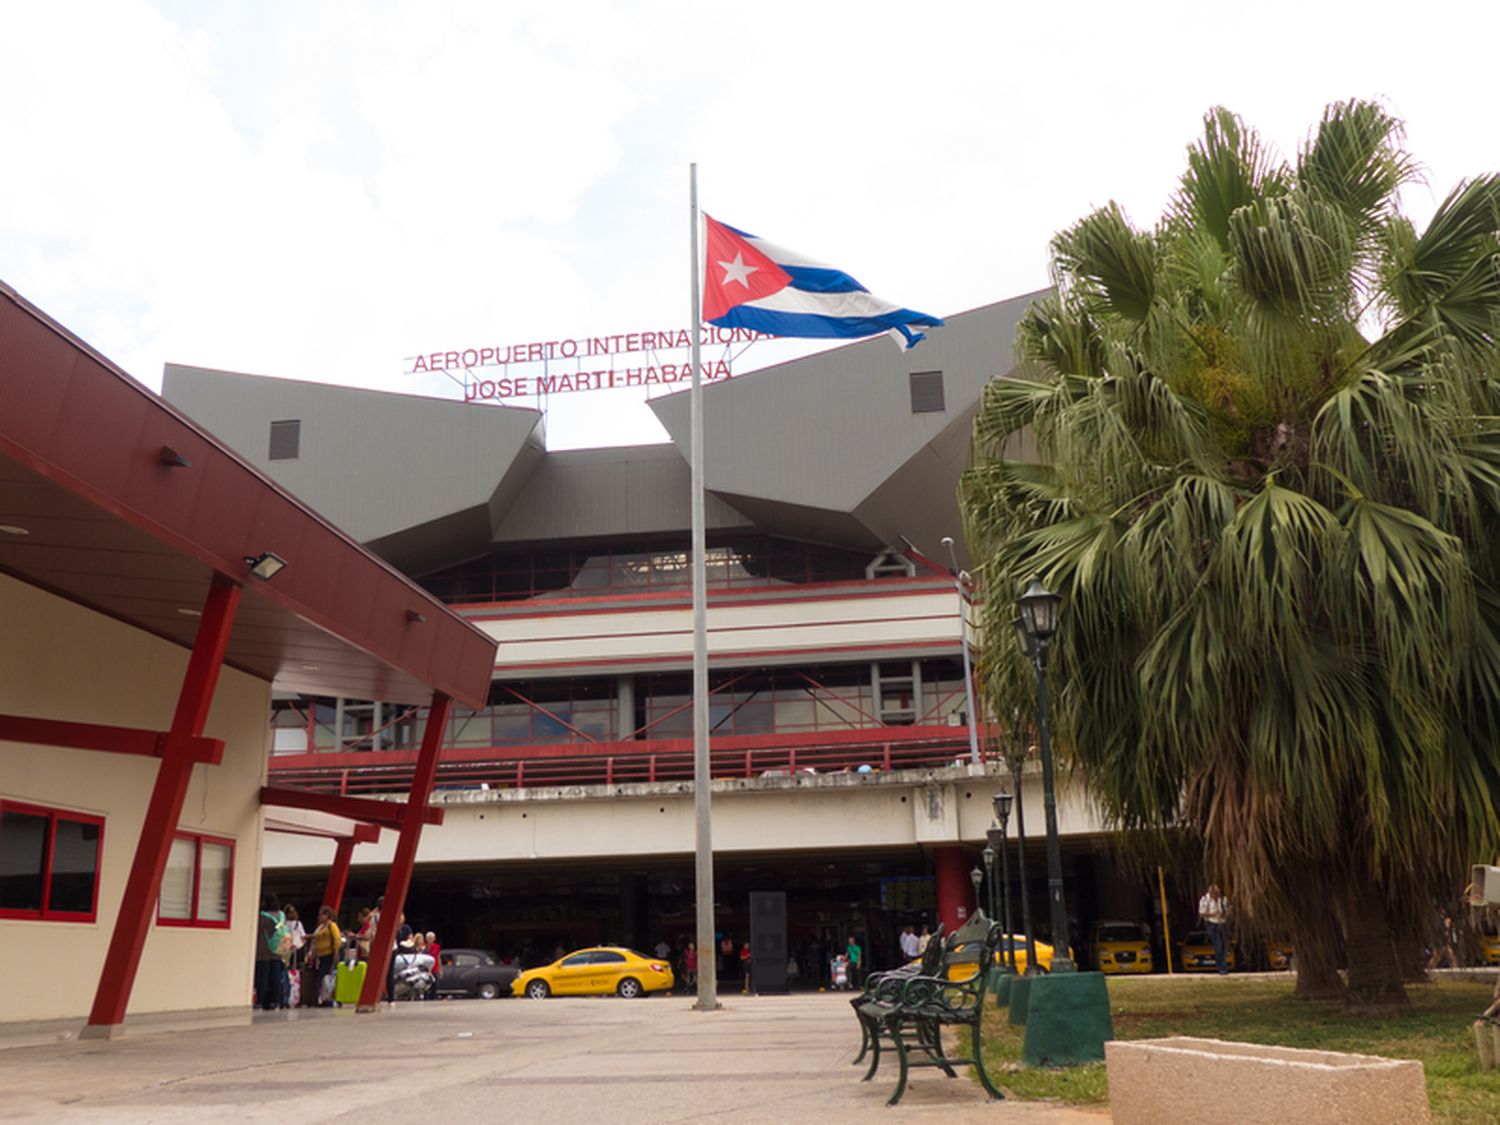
[[623, 763]]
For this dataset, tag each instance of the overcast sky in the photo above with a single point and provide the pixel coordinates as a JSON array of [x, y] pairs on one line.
[[322, 189]]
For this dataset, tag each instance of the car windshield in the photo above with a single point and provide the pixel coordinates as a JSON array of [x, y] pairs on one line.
[[1197, 937], [1121, 933]]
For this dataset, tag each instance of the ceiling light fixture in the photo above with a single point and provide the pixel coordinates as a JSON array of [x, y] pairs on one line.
[[186, 612], [171, 459], [13, 529], [266, 565]]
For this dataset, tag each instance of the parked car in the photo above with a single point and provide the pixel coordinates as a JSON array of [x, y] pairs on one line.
[[596, 972], [1197, 953], [1121, 947], [474, 972], [1044, 953], [1489, 947], [1279, 955]]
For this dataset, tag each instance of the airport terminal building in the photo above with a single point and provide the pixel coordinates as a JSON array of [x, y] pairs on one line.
[[840, 734]]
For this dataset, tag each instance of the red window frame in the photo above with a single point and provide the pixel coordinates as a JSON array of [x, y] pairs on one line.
[[193, 921], [53, 815]]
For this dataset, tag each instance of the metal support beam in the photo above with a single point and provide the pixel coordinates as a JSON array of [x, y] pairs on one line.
[[117, 977], [338, 874], [107, 739], [387, 814], [399, 880]]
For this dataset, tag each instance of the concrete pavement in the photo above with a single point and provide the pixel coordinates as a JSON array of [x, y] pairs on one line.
[[761, 1059]]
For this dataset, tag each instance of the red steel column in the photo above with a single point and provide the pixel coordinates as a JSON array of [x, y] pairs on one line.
[[338, 875], [399, 880], [955, 890], [163, 812]]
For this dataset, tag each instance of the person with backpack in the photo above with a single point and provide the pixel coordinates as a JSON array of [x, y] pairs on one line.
[[271, 936]]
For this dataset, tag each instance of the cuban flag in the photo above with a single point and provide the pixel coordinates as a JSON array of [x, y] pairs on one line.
[[749, 283]]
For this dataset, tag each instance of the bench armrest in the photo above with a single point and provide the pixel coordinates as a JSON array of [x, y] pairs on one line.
[[937, 994]]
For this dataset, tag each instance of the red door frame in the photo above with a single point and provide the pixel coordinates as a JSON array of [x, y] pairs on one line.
[[413, 813], [117, 977]]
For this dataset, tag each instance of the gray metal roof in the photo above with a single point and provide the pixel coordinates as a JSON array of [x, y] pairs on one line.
[[374, 463], [825, 448]]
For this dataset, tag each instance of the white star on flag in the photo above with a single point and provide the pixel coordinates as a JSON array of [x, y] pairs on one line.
[[737, 270]]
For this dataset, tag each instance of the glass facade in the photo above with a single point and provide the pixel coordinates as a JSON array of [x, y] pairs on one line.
[[614, 570], [587, 709]]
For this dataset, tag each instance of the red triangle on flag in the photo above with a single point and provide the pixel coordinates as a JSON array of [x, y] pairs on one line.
[[734, 271]]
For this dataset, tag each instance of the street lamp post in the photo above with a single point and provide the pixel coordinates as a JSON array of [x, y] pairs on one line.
[[1035, 627], [997, 842], [1017, 763], [989, 879], [963, 641], [977, 877]]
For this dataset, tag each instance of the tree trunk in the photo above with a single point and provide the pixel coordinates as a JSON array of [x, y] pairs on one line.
[[1374, 969], [1410, 953], [1318, 939]]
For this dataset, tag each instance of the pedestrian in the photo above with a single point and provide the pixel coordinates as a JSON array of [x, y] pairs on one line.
[[435, 951], [364, 933], [745, 965], [662, 949], [910, 945], [270, 932], [324, 947], [725, 968], [690, 965], [854, 956], [1213, 908], [922, 939], [1444, 943]]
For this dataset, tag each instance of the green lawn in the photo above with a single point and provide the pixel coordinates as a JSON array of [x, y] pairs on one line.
[[1261, 1010]]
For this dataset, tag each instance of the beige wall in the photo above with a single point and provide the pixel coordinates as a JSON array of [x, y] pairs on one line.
[[770, 628], [934, 807], [60, 661]]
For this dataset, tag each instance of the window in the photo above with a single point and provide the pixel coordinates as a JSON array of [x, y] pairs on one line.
[[195, 888], [49, 863], [927, 392], [286, 439]]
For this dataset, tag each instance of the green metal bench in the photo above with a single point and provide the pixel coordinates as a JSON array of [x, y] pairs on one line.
[[910, 1011], [931, 964]]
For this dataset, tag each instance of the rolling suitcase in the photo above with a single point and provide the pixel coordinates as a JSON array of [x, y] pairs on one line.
[[350, 980], [310, 985]]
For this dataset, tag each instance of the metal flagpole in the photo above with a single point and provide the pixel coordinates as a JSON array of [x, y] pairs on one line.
[[708, 984]]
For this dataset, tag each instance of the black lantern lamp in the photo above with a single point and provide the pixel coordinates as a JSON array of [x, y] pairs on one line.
[[1038, 609]]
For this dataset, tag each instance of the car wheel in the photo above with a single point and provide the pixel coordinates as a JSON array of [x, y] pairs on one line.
[[538, 990], [489, 990], [629, 988]]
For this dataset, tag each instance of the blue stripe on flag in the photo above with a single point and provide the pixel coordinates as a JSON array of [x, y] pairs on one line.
[[813, 279], [826, 327]]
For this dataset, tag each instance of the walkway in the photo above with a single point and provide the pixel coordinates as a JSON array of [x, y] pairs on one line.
[[762, 1059]]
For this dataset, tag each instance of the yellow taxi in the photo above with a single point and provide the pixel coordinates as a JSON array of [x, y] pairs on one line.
[[597, 971], [1044, 953], [1279, 955], [1489, 947], [1121, 947], [1197, 953]]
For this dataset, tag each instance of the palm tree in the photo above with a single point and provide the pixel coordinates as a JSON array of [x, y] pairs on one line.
[[1267, 483]]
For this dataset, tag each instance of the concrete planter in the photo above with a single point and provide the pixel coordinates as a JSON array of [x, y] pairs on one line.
[[1188, 1081], [1487, 1039]]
